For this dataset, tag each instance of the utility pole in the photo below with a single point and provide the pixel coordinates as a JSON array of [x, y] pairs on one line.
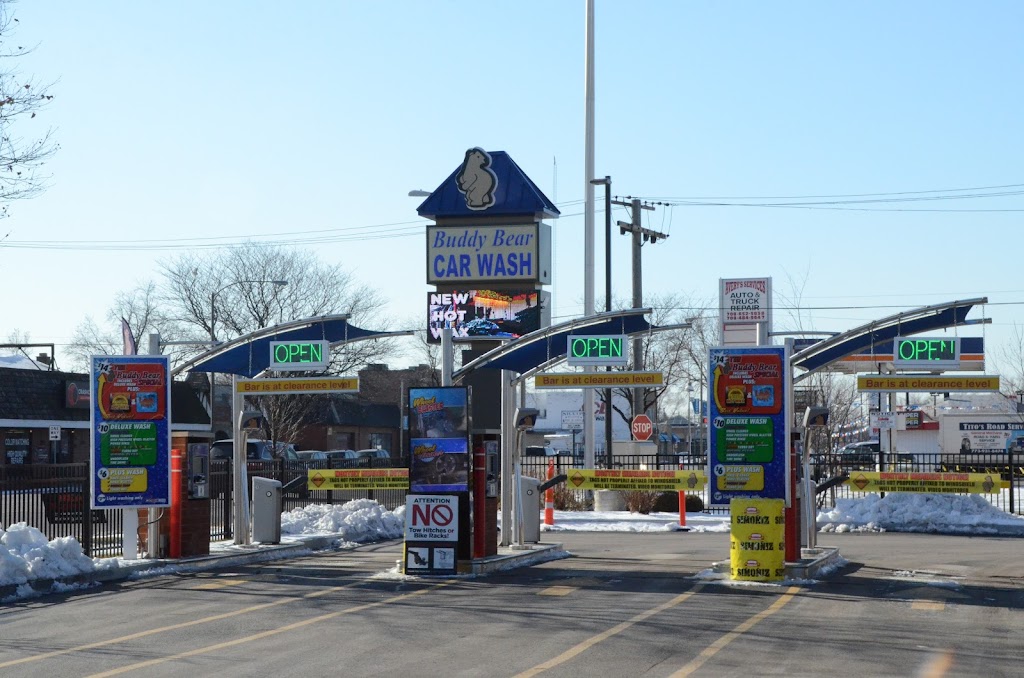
[[641, 235]]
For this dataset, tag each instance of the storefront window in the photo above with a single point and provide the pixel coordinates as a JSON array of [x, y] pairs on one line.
[[381, 441], [17, 447]]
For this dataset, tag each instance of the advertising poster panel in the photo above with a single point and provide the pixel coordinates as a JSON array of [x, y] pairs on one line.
[[130, 415], [747, 423], [439, 439], [486, 313], [431, 534]]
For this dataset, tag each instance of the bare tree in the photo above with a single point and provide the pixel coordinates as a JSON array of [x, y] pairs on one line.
[[22, 99], [226, 294], [667, 352], [142, 309]]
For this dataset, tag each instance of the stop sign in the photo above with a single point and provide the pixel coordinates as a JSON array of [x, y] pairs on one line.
[[642, 427]]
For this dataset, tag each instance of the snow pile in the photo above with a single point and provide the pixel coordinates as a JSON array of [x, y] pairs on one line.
[[359, 520], [910, 512], [26, 554]]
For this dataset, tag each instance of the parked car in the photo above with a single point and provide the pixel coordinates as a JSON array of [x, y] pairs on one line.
[[375, 453], [859, 456], [539, 451], [312, 455], [343, 458], [255, 450]]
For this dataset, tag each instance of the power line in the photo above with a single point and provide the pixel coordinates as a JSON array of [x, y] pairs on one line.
[[403, 229]]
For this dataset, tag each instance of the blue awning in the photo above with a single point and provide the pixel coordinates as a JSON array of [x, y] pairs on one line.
[[543, 346], [253, 356]]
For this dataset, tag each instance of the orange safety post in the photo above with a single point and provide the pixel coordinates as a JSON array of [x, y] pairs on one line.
[[549, 497]]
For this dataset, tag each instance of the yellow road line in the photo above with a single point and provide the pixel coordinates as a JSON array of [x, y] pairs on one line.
[[557, 591], [928, 605], [711, 650], [618, 628], [265, 634], [219, 584], [172, 627]]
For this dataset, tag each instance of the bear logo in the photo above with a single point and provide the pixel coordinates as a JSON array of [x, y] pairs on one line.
[[476, 179]]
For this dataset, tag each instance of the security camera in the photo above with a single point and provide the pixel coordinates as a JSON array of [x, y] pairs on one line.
[[526, 417], [815, 416]]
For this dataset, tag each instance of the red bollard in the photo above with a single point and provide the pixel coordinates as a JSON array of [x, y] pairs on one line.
[[174, 540], [682, 508], [479, 502]]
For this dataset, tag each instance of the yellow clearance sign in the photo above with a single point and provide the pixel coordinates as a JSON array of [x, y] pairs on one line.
[[621, 479], [953, 483], [297, 385], [361, 479], [927, 382], [598, 379]]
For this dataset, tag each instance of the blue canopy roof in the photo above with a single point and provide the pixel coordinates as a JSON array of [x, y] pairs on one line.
[[248, 357], [925, 319], [543, 346]]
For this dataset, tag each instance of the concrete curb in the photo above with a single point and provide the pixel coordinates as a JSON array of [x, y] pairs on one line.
[[813, 564], [125, 570]]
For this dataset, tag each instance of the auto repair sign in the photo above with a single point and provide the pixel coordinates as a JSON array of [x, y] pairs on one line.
[[431, 517]]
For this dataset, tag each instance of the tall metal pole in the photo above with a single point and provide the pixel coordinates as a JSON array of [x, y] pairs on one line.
[[638, 296], [607, 183], [588, 225]]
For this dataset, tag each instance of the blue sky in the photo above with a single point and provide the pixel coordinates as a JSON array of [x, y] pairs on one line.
[[233, 120]]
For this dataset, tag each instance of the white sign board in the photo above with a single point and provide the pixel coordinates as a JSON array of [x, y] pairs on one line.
[[431, 517], [55, 433], [745, 313], [887, 421], [459, 254], [572, 420]]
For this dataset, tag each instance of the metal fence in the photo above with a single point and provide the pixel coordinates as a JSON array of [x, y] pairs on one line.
[[54, 499], [994, 464]]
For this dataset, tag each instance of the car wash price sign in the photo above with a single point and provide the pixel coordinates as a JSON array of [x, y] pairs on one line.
[[130, 417], [747, 456]]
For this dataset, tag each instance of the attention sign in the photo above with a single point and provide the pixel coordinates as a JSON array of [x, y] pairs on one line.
[[600, 349], [299, 355]]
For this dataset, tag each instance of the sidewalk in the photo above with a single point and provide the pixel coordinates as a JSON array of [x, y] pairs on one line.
[[226, 554]]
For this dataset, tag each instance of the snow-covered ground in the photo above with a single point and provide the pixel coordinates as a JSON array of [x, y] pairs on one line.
[[25, 553]]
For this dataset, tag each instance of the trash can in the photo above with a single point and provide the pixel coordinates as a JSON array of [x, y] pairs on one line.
[[266, 510], [529, 492]]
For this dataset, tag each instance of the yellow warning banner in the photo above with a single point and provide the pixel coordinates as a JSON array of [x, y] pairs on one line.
[[358, 479], [927, 382], [622, 479], [297, 385], [597, 379], [952, 483]]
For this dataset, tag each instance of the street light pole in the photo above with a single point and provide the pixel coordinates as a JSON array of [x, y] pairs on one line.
[[607, 183], [689, 421]]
